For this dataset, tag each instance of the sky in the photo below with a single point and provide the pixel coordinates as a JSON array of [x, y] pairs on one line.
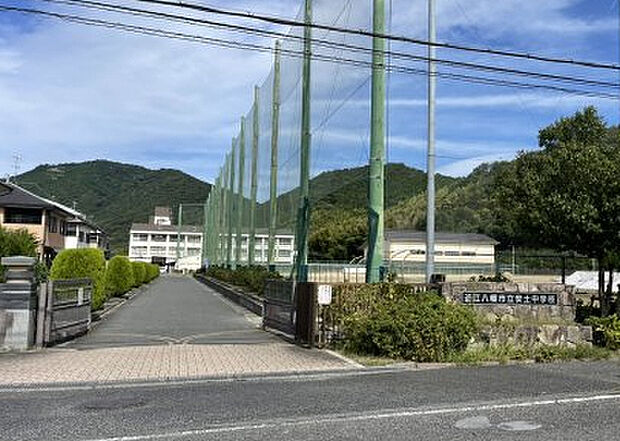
[[71, 93]]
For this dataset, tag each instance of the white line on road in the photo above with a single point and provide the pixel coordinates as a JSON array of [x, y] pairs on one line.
[[346, 418]]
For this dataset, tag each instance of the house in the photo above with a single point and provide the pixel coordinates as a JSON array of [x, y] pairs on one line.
[[408, 247], [55, 226], [158, 242]]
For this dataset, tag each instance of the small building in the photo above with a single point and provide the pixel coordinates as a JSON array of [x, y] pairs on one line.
[[158, 242], [54, 226], [452, 250]]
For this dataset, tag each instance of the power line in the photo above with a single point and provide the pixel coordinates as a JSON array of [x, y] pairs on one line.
[[299, 54], [294, 23], [327, 43]]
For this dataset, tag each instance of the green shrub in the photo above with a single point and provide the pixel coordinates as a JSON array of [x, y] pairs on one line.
[[119, 277], [152, 272], [608, 328], [421, 327], [139, 273], [82, 263], [252, 278]]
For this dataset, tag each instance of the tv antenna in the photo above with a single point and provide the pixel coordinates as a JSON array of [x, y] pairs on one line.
[[17, 159]]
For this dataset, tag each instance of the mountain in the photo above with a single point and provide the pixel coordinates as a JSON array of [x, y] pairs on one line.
[[115, 195]]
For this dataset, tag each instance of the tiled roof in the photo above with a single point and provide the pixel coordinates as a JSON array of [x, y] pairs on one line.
[[12, 195]]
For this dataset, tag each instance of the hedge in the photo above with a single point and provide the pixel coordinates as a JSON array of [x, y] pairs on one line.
[[119, 276], [252, 278], [82, 263], [139, 273], [422, 327], [152, 272]]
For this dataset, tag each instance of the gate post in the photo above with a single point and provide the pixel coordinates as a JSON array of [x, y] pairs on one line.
[[18, 303]]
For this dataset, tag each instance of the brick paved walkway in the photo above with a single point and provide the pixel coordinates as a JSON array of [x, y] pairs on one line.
[[177, 329], [164, 362]]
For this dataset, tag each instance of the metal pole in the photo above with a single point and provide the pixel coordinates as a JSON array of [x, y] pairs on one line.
[[240, 195], [275, 133], [224, 210], [303, 216], [430, 208], [205, 229], [376, 193], [179, 224], [254, 178], [231, 205]]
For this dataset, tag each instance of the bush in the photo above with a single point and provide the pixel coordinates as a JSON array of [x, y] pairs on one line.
[[139, 273], [607, 330], [152, 272], [119, 277], [82, 263], [421, 327], [252, 278]]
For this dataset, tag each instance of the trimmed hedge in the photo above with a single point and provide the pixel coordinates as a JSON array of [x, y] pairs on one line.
[[139, 273], [422, 327], [119, 276], [82, 263], [152, 272], [252, 278]]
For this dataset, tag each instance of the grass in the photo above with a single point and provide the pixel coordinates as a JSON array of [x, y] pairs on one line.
[[502, 354], [536, 353]]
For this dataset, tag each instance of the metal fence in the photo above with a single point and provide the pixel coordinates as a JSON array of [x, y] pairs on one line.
[[64, 310]]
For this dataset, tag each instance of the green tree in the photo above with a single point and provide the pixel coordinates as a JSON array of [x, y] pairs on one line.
[[17, 243], [567, 195], [82, 263], [119, 277]]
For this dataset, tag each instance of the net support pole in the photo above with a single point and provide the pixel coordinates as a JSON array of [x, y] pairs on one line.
[[376, 191], [254, 178], [240, 196], [179, 228], [206, 233], [231, 205], [275, 133], [224, 214], [303, 216], [430, 206]]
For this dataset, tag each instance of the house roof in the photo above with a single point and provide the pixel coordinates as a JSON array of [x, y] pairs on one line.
[[12, 195], [440, 237]]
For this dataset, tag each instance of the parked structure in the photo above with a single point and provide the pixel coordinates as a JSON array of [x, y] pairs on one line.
[[156, 242], [55, 226]]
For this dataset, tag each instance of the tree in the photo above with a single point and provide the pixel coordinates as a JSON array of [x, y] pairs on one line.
[[567, 195]]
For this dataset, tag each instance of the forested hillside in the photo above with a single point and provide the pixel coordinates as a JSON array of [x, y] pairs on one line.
[[115, 195]]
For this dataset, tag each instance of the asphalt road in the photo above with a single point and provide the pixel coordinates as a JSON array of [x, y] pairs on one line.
[[574, 401], [175, 310]]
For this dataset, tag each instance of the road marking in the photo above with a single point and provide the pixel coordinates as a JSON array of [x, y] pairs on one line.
[[371, 416]]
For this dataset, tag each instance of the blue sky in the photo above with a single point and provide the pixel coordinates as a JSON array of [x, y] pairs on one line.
[[72, 93]]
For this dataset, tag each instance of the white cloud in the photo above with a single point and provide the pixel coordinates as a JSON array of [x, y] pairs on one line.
[[465, 166]]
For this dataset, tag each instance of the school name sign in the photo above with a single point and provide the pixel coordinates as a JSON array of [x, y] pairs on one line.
[[507, 298]]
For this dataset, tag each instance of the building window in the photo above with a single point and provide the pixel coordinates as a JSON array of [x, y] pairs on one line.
[[285, 242], [140, 237], [52, 226], [453, 253], [159, 238], [138, 251], [194, 239], [158, 251], [172, 238], [468, 253], [284, 253], [193, 252], [23, 216], [71, 230]]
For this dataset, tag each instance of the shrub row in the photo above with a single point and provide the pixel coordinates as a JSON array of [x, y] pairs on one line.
[[117, 278], [252, 278], [391, 320]]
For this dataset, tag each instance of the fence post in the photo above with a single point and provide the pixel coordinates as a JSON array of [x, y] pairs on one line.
[[18, 304], [41, 315]]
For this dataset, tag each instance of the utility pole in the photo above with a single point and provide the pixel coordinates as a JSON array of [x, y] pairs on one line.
[[430, 171], [275, 133], [376, 182], [303, 217], [240, 196], [254, 178], [231, 205]]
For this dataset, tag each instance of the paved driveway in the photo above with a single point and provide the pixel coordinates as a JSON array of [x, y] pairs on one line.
[[176, 310], [177, 329]]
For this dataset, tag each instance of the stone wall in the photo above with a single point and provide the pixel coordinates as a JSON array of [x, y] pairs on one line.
[[522, 313]]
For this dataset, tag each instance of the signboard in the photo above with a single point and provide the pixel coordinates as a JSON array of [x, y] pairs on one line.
[[80, 296], [509, 298], [325, 294]]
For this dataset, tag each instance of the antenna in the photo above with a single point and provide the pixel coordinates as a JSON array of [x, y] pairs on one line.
[[17, 159]]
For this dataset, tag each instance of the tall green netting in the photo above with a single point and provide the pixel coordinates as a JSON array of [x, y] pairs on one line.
[[256, 198]]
